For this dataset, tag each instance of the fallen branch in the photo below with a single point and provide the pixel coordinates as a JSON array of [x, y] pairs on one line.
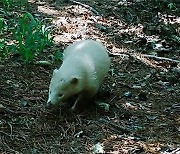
[[160, 58], [87, 7], [145, 56]]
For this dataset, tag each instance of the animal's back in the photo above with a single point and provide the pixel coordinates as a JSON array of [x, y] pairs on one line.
[[92, 55]]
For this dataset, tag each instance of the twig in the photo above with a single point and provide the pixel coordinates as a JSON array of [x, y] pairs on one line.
[[4, 109], [12, 150], [145, 56], [114, 126], [112, 99], [11, 131], [87, 7], [1, 132], [161, 58]]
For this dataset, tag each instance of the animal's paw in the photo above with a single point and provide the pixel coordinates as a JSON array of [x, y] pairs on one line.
[[73, 108]]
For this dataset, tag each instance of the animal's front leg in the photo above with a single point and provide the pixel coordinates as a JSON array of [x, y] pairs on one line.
[[77, 103], [82, 102]]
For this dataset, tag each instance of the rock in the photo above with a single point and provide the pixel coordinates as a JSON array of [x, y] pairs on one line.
[[103, 106], [97, 148], [43, 63], [127, 94]]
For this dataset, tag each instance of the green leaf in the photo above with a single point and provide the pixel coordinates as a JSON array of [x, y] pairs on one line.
[[172, 6], [58, 55]]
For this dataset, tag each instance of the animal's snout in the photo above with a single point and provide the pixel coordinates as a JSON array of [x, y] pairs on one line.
[[49, 104]]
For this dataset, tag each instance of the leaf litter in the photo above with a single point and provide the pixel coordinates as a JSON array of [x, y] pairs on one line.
[[141, 90]]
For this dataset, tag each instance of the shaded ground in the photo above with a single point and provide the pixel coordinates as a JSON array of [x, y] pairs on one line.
[[143, 93]]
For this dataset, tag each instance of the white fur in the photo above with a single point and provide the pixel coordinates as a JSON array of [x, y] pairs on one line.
[[85, 64]]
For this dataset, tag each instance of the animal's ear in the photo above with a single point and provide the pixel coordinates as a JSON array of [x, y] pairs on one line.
[[74, 80], [55, 71]]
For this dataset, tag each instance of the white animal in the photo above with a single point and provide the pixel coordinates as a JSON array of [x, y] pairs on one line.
[[85, 65]]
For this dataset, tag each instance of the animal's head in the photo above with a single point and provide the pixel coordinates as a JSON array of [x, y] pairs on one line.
[[62, 87]]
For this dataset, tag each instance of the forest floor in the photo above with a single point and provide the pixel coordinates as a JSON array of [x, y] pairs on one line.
[[139, 109]]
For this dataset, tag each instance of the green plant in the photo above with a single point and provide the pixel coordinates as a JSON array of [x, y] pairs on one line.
[[4, 49], [11, 4], [3, 45], [1, 24], [172, 6], [32, 37], [7, 3], [58, 56]]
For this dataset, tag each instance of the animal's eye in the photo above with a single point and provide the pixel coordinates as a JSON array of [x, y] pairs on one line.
[[61, 94]]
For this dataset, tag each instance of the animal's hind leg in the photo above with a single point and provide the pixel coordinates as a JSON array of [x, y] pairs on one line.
[[83, 100]]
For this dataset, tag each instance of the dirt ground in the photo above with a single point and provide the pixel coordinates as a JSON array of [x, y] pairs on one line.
[[139, 101]]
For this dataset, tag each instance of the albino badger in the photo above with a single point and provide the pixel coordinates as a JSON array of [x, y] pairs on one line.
[[85, 64]]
